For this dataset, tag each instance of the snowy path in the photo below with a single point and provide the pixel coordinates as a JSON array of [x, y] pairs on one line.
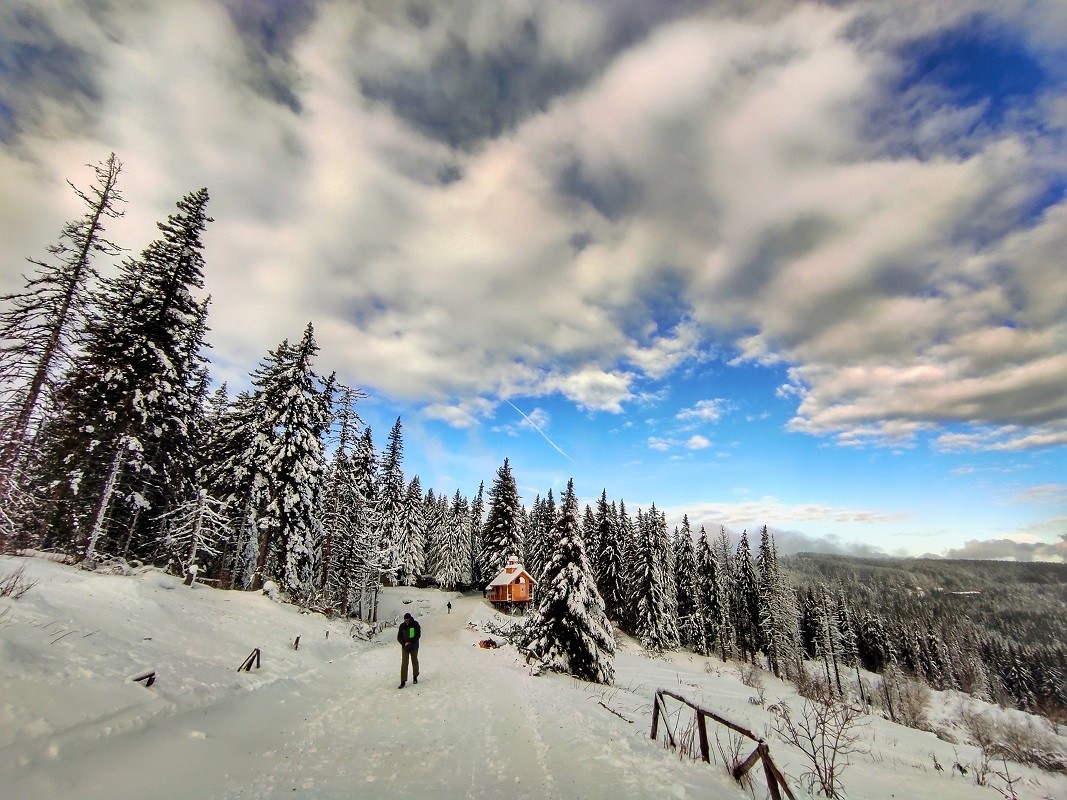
[[476, 726], [449, 732], [325, 722]]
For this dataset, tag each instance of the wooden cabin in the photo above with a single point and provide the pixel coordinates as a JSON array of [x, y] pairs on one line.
[[513, 585]]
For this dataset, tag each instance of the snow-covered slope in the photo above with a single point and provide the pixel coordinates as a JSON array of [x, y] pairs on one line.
[[326, 720]]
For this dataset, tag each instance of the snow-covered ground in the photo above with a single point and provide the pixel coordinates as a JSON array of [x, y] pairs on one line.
[[326, 720]]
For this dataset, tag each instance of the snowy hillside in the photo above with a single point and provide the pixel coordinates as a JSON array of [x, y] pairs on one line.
[[325, 720]]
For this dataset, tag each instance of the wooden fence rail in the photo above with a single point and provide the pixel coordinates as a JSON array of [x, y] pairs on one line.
[[775, 780]]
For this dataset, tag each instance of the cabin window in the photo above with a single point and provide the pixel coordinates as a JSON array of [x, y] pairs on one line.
[[521, 580]]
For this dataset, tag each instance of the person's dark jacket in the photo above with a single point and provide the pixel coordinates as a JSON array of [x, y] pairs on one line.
[[408, 633]]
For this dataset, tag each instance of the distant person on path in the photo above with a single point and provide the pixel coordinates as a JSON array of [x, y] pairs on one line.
[[449, 606], [408, 636]]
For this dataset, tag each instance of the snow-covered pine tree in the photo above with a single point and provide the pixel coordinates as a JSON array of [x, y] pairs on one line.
[[535, 538], [340, 499], [230, 470], [391, 503], [727, 593], [827, 637], [365, 556], [409, 544], [777, 611], [122, 427], [872, 641], [653, 593], [432, 530], [570, 631], [539, 535], [477, 521], [41, 325], [294, 417], [193, 531], [708, 604], [502, 534], [590, 537], [691, 624], [664, 546], [453, 569], [611, 564], [746, 610], [628, 534]]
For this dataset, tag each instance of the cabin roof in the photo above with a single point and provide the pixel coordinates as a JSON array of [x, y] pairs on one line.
[[504, 577]]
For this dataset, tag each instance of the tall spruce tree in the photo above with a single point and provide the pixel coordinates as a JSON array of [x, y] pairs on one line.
[[570, 631], [502, 534], [294, 419], [453, 568], [777, 611], [41, 326], [122, 428], [340, 501], [691, 624], [746, 608], [409, 545], [611, 564], [478, 570], [366, 554], [728, 594], [539, 536], [390, 507]]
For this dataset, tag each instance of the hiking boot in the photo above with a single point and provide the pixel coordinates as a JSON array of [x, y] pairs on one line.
[[415, 681], [401, 686]]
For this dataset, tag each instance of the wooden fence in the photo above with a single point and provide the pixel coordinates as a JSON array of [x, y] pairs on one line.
[[775, 780]]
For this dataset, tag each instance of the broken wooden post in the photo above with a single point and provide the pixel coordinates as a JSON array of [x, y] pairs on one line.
[[296, 644], [148, 676], [253, 658]]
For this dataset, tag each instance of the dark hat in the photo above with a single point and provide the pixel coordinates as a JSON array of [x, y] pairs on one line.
[[407, 615]]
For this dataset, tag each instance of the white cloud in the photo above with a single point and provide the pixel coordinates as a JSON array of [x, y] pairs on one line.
[[698, 443], [717, 180], [705, 410]]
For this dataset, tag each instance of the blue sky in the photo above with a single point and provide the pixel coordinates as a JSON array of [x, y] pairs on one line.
[[781, 263]]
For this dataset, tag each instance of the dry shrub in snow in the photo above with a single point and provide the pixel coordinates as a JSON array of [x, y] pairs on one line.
[[904, 700], [813, 685], [1015, 737], [15, 585], [829, 732]]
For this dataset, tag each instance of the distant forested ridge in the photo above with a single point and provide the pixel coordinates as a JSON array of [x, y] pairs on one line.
[[993, 628]]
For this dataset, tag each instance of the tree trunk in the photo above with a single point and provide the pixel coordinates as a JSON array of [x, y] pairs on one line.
[[103, 501]]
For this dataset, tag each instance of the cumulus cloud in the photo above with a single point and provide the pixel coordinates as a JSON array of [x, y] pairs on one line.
[[479, 201], [1012, 550]]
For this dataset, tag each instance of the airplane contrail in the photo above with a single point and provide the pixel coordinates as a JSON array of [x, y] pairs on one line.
[[533, 425]]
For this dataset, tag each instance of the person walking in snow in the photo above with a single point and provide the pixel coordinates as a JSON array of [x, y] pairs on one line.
[[408, 636], [449, 606]]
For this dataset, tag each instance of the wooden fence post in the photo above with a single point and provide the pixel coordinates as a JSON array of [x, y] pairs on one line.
[[776, 782], [702, 731], [655, 714], [772, 780]]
